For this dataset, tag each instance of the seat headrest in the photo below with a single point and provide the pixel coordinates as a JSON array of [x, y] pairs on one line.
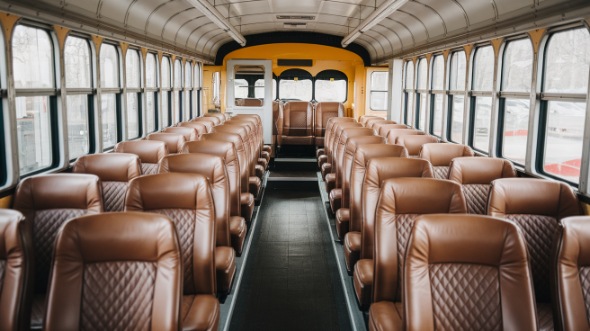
[[110, 167], [442, 154], [421, 196], [149, 151], [174, 141], [479, 170]]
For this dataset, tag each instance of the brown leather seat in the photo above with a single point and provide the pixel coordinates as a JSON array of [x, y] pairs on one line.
[[189, 133], [200, 127], [392, 135], [405, 198], [246, 198], [213, 168], [323, 112], [343, 214], [335, 195], [462, 272], [219, 116], [260, 157], [174, 141], [536, 206], [296, 124], [149, 151], [116, 271], [208, 122], [476, 174], [227, 152], [352, 239], [413, 143], [383, 129], [115, 170], [216, 119], [322, 153], [276, 105], [16, 271], [363, 119], [48, 201], [441, 155], [570, 279], [329, 169]]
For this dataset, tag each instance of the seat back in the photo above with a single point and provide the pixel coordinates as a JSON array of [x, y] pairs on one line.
[[441, 155], [16, 268], [113, 263], [48, 201], [359, 167], [323, 112], [214, 117], [208, 122], [236, 140], [199, 127], [475, 174], [382, 128], [186, 200], [243, 133], [475, 279], [335, 140], [149, 151], [536, 206], [212, 168], [413, 143], [340, 149], [228, 153], [572, 258], [276, 106], [364, 118], [330, 126], [189, 133], [219, 116], [174, 141], [392, 135], [297, 123], [115, 170]]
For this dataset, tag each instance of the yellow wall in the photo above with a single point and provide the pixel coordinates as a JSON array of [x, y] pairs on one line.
[[324, 57]]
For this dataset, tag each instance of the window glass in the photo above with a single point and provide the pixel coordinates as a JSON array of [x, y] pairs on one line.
[[300, 89], [150, 71], [32, 55], [332, 90], [240, 88], [438, 72], [177, 74], [563, 139], [422, 115], [77, 62], [437, 113], [133, 69], [410, 108], [187, 75], [259, 88], [78, 132], [516, 128], [517, 66], [566, 62], [481, 124], [165, 109], [379, 91], [457, 113], [109, 120], [457, 71], [150, 112], [109, 66], [186, 105], [132, 115], [176, 114], [197, 76], [409, 75], [34, 133], [166, 72], [483, 69], [422, 74]]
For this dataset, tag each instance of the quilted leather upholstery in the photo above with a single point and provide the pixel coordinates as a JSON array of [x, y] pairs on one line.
[[585, 282], [185, 230], [476, 196], [440, 172], [114, 195], [2, 270], [545, 316], [45, 227], [118, 295], [538, 233], [465, 296], [149, 168], [405, 222]]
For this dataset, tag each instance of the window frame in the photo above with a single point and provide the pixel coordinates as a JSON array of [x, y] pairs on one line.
[[437, 92], [154, 91], [138, 93], [409, 93], [166, 104], [117, 91], [475, 96]]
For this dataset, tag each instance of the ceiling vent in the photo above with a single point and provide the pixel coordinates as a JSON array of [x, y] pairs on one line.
[[296, 17], [294, 25]]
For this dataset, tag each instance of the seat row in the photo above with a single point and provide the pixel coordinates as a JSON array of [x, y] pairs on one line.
[[368, 174], [199, 190]]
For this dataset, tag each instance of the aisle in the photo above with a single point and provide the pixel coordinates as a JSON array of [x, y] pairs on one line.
[[291, 281]]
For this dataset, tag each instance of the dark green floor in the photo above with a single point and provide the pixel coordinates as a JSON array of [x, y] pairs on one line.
[[291, 280]]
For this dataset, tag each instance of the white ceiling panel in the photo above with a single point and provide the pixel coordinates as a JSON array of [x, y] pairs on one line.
[[114, 9], [338, 8], [295, 6], [89, 5]]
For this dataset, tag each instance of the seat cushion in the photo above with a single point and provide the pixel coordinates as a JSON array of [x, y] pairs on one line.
[[321, 160], [267, 148], [352, 249], [319, 152], [254, 185], [259, 171], [199, 312], [330, 182], [342, 222], [335, 199], [385, 316], [363, 282], [237, 231], [247, 206], [265, 155], [326, 169], [225, 266]]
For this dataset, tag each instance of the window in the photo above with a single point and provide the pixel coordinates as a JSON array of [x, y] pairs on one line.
[[437, 95], [517, 71], [166, 85], [197, 90], [177, 114], [378, 94], [483, 77], [457, 75], [295, 84], [78, 68], [188, 85], [565, 84], [259, 88], [133, 70], [409, 93], [422, 99], [217, 89], [151, 79], [110, 80], [32, 52], [332, 85]]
